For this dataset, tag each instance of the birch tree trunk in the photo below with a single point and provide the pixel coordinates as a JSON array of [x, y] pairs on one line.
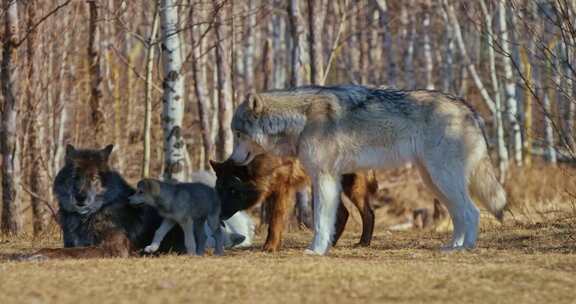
[[316, 13], [448, 61], [249, 47], [408, 34], [198, 65], [469, 65], [296, 33], [500, 141], [223, 87], [173, 109], [429, 62], [148, 94], [97, 115], [387, 42], [61, 101], [511, 102], [11, 218]]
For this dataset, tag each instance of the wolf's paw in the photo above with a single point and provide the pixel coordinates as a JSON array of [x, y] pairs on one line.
[[151, 248], [312, 252]]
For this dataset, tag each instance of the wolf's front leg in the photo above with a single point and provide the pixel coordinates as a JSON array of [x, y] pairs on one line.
[[326, 188], [164, 228], [217, 233]]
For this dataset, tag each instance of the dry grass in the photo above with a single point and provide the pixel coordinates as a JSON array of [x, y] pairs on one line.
[[513, 264], [529, 259]]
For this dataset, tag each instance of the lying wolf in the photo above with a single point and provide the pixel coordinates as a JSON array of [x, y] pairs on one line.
[[344, 129], [190, 205]]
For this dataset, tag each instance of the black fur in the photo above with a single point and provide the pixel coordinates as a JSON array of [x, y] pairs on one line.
[[139, 223]]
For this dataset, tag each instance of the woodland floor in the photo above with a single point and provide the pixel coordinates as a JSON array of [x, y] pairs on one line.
[[515, 263]]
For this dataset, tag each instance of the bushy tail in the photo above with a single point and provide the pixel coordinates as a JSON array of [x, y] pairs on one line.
[[372, 182], [485, 187]]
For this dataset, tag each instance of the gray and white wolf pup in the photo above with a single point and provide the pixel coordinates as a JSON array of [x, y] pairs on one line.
[[344, 129], [190, 205]]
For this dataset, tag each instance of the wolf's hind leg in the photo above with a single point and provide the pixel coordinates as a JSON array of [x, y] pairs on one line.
[[200, 235], [214, 224], [450, 185], [161, 232], [189, 240], [327, 191], [357, 190]]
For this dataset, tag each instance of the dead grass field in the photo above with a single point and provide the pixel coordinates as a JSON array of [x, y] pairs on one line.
[[531, 263], [529, 259]]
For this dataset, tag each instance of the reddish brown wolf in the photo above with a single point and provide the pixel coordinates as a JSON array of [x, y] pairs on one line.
[[276, 180]]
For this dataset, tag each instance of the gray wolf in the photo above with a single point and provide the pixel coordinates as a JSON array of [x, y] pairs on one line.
[[91, 195], [190, 205], [344, 129], [275, 180]]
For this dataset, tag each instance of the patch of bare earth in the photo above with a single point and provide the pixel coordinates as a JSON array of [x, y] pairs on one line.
[[529, 263]]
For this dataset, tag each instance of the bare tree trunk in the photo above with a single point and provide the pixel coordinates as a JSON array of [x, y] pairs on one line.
[[296, 33], [148, 94], [249, 47], [278, 47], [223, 86], [429, 62], [447, 77], [469, 65], [527, 143], [500, 141], [387, 42], [511, 102], [200, 85], [11, 218], [409, 35], [173, 84], [97, 115], [316, 13], [36, 174]]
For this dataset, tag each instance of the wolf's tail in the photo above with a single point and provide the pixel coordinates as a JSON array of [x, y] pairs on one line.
[[372, 182], [485, 187]]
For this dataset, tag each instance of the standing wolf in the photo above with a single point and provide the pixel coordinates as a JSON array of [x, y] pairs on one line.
[[344, 129], [190, 205]]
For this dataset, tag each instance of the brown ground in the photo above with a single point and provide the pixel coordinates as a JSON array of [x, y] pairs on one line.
[[514, 263], [529, 259]]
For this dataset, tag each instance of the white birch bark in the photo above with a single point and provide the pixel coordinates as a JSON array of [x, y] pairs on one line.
[[500, 140], [448, 60], [511, 102], [387, 41], [11, 218], [148, 95], [428, 60], [469, 65], [173, 99]]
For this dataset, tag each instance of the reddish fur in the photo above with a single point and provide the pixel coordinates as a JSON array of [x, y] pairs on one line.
[[114, 244], [278, 179]]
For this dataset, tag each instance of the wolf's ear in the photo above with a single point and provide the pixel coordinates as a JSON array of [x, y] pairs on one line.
[[255, 103], [105, 153], [153, 186], [215, 165], [70, 151]]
